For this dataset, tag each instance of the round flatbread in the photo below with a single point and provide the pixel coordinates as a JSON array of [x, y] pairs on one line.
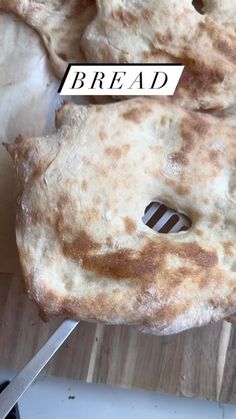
[[82, 192]]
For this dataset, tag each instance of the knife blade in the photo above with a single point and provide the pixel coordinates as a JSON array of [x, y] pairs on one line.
[[13, 392]]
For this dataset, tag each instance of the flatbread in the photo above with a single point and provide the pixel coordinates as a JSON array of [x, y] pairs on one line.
[[171, 31], [226, 9], [82, 192], [27, 91], [60, 24]]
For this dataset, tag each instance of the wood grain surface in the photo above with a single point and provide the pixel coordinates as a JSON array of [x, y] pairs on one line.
[[199, 363]]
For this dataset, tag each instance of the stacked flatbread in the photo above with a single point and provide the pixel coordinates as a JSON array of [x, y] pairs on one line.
[[170, 31], [139, 31], [82, 191]]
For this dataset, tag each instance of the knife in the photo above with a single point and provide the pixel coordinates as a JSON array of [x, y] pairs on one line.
[[13, 392]]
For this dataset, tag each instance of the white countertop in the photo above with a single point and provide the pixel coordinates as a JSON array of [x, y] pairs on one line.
[[60, 398]]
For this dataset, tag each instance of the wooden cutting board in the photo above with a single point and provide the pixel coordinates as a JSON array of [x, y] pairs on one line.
[[200, 363]]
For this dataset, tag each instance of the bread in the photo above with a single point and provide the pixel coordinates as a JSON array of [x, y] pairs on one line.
[[156, 31], [224, 9], [60, 23], [170, 31], [82, 192]]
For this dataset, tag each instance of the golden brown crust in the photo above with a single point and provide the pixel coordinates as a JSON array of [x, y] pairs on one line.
[[84, 249], [171, 32]]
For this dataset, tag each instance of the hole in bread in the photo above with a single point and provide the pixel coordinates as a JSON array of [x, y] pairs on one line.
[[165, 220], [232, 187], [68, 282], [233, 267], [198, 5]]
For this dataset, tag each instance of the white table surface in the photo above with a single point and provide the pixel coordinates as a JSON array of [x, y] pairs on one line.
[[58, 398]]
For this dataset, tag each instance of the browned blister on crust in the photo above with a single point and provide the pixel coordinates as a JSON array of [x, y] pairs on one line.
[[82, 192], [60, 24], [171, 31]]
